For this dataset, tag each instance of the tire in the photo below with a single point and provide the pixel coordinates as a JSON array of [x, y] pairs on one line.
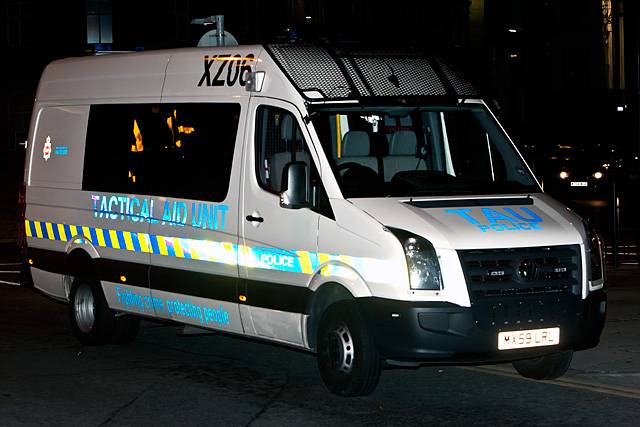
[[127, 328], [547, 367], [348, 360], [92, 322]]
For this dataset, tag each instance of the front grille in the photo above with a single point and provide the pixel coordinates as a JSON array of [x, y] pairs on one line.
[[517, 287]]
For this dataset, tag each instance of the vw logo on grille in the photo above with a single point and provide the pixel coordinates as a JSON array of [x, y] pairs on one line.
[[527, 270]]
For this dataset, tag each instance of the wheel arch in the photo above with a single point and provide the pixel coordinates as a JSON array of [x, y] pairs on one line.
[[332, 282], [78, 262], [324, 297]]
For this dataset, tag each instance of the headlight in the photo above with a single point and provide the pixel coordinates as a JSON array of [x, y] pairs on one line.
[[596, 260], [422, 261]]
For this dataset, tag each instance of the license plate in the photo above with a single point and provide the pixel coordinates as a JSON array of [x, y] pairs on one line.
[[579, 184], [528, 338]]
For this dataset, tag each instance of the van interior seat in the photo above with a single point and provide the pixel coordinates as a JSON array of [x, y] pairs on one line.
[[290, 139], [279, 161], [402, 154], [356, 148]]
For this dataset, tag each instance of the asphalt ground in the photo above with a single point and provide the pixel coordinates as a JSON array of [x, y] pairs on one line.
[[169, 378]]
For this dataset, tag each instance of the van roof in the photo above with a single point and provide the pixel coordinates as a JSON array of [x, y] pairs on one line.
[[145, 76], [318, 73]]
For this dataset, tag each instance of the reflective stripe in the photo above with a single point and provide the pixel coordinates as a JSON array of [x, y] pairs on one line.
[[50, 231], [86, 232], [94, 236], [204, 250], [38, 229], [128, 242], [144, 243], [121, 241], [101, 241], [155, 249], [322, 258], [187, 252], [193, 250], [163, 246], [113, 236], [62, 233], [305, 262], [67, 231], [136, 242], [170, 249], [54, 229], [177, 247], [229, 253]]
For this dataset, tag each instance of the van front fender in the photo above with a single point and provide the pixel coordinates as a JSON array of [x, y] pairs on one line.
[[332, 281], [336, 271]]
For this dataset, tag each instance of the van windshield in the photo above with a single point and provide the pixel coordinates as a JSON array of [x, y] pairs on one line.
[[419, 151]]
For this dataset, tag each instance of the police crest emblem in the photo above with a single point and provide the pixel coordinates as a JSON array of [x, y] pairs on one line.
[[46, 150]]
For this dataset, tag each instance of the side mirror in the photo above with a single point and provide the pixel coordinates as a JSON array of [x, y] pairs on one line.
[[296, 186]]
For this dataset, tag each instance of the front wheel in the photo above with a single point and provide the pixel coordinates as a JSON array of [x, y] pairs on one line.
[[547, 367], [348, 360]]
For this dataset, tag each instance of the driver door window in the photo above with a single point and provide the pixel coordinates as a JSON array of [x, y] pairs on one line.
[[279, 141]]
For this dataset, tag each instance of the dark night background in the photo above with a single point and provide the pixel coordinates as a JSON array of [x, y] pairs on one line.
[[564, 73]]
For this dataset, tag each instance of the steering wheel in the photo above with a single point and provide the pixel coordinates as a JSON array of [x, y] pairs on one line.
[[349, 165], [357, 175]]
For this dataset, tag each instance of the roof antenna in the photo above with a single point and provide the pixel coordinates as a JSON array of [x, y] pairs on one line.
[[216, 37]]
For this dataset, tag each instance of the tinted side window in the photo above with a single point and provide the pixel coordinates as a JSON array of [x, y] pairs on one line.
[[173, 150], [195, 160], [117, 147]]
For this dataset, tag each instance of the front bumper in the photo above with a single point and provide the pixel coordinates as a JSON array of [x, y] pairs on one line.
[[445, 333]]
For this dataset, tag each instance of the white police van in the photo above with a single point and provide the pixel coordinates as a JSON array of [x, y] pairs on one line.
[[364, 206]]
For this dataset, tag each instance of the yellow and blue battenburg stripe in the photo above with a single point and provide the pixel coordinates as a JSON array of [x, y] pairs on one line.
[[203, 250]]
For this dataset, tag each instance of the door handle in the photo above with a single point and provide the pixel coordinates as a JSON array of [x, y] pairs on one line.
[[252, 218]]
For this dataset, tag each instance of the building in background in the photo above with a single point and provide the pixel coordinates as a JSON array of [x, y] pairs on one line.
[[565, 73], [35, 32], [549, 63]]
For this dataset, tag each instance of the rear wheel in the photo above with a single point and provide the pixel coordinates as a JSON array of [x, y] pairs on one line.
[[348, 360], [127, 327], [547, 367], [92, 321]]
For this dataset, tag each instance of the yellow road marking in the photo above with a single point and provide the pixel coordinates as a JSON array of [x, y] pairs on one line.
[[567, 382]]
